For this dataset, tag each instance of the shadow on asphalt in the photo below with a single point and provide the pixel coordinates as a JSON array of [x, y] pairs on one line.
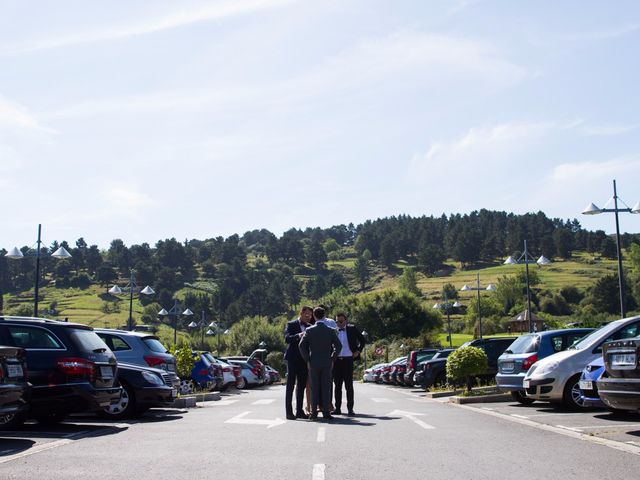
[[13, 446]]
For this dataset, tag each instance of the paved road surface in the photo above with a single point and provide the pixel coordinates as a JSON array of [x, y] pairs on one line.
[[398, 434]]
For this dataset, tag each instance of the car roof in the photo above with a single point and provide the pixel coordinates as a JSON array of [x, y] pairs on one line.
[[43, 321], [126, 332]]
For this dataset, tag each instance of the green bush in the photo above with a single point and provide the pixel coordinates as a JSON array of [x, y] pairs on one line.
[[185, 361], [464, 364]]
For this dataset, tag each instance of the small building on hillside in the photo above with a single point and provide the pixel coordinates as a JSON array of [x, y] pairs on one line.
[[520, 323]]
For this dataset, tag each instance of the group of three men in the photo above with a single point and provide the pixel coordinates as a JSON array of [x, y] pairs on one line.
[[320, 349]]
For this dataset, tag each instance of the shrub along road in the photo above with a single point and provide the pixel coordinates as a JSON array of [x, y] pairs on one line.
[[243, 436]]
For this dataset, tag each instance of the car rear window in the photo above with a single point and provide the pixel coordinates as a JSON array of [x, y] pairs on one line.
[[155, 345], [87, 340], [33, 337], [525, 344]]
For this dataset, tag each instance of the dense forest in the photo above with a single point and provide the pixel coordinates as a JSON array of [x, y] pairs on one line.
[[260, 274]]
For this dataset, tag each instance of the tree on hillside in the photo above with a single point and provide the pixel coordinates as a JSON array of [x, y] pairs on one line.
[[430, 258], [388, 253], [315, 255], [363, 273], [409, 281], [605, 295]]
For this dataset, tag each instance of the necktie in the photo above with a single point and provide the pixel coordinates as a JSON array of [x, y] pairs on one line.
[[341, 329]]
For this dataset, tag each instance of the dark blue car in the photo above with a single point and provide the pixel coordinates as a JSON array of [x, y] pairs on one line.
[[588, 388], [206, 374]]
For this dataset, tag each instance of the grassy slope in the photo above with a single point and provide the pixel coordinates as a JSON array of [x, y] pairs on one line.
[[85, 306]]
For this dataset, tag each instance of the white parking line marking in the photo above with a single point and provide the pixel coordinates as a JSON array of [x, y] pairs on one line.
[[382, 400], [518, 416], [573, 429], [37, 449], [322, 434], [221, 403], [318, 471], [412, 416], [635, 425], [264, 401], [555, 414]]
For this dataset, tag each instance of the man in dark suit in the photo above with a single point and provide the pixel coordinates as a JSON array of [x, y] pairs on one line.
[[319, 346], [352, 342], [297, 372]]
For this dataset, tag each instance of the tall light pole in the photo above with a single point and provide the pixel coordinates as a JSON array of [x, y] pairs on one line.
[[477, 288], [201, 324], [593, 210], [447, 306], [174, 312], [15, 253], [132, 287], [526, 259]]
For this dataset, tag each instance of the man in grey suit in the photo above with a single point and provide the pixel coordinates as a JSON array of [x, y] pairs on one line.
[[319, 346]]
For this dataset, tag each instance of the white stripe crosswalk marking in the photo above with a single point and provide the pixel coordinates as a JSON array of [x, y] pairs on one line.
[[264, 401], [382, 400], [318, 471]]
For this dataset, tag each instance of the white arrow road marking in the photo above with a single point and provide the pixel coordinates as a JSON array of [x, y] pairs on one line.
[[221, 403], [412, 416], [264, 401], [255, 421], [382, 400], [318, 472], [322, 433]]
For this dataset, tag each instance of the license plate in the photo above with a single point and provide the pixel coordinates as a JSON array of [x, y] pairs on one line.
[[106, 372], [525, 383], [508, 366], [623, 360], [586, 385], [174, 392], [14, 371]]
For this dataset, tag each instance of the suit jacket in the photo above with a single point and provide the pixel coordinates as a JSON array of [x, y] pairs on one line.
[[355, 338], [320, 345], [292, 337]]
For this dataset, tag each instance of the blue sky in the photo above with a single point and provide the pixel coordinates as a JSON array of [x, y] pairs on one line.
[[154, 119]]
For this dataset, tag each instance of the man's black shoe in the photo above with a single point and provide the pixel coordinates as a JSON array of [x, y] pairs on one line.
[[351, 413], [336, 412], [291, 416], [302, 415], [313, 417]]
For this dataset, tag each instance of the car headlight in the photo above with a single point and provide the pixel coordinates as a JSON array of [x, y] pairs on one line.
[[152, 378], [547, 368]]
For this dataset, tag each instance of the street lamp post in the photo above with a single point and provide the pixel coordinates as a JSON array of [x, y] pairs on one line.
[[15, 253], [526, 259], [594, 210], [201, 324], [364, 350], [447, 306], [174, 312], [477, 288], [132, 287]]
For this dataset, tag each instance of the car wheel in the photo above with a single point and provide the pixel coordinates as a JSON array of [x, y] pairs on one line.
[[242, 383], [11, 420], [572, 396], [50, 418], [186, 386], [124, 407], [520, 397]]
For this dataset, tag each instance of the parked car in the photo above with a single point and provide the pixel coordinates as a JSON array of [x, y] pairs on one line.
[[493, 347], [396, 373], [378, 371], [526, 350], [70, 368], [588, 384], [619, 385], [253, 372], [385, 375], [138, 348], [415, 358], [274, 375], [142, 388], [14, 387], [229, 372], [369, 375], [433, 371], [556, 378], [205, 374]]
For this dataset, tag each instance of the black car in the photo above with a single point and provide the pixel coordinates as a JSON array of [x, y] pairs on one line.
[[70, 368], [414, 359], [432, 372], [142, 388], [493, 347], [619, 384], [14, 388]]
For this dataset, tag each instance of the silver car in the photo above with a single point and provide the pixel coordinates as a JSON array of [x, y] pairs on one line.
[[556, 378], [139, 348]]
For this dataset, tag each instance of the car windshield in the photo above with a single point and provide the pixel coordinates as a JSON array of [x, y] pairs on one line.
[[594, 336], [525, 344], [88, 340], [154, 345]]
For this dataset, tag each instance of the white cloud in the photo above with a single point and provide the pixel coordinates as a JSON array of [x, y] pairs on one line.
[[15, 116], [126, 197], [179, 18]]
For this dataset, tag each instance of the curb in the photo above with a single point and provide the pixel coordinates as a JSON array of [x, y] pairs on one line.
[[500, 397], [442, 394], [191, 400]]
